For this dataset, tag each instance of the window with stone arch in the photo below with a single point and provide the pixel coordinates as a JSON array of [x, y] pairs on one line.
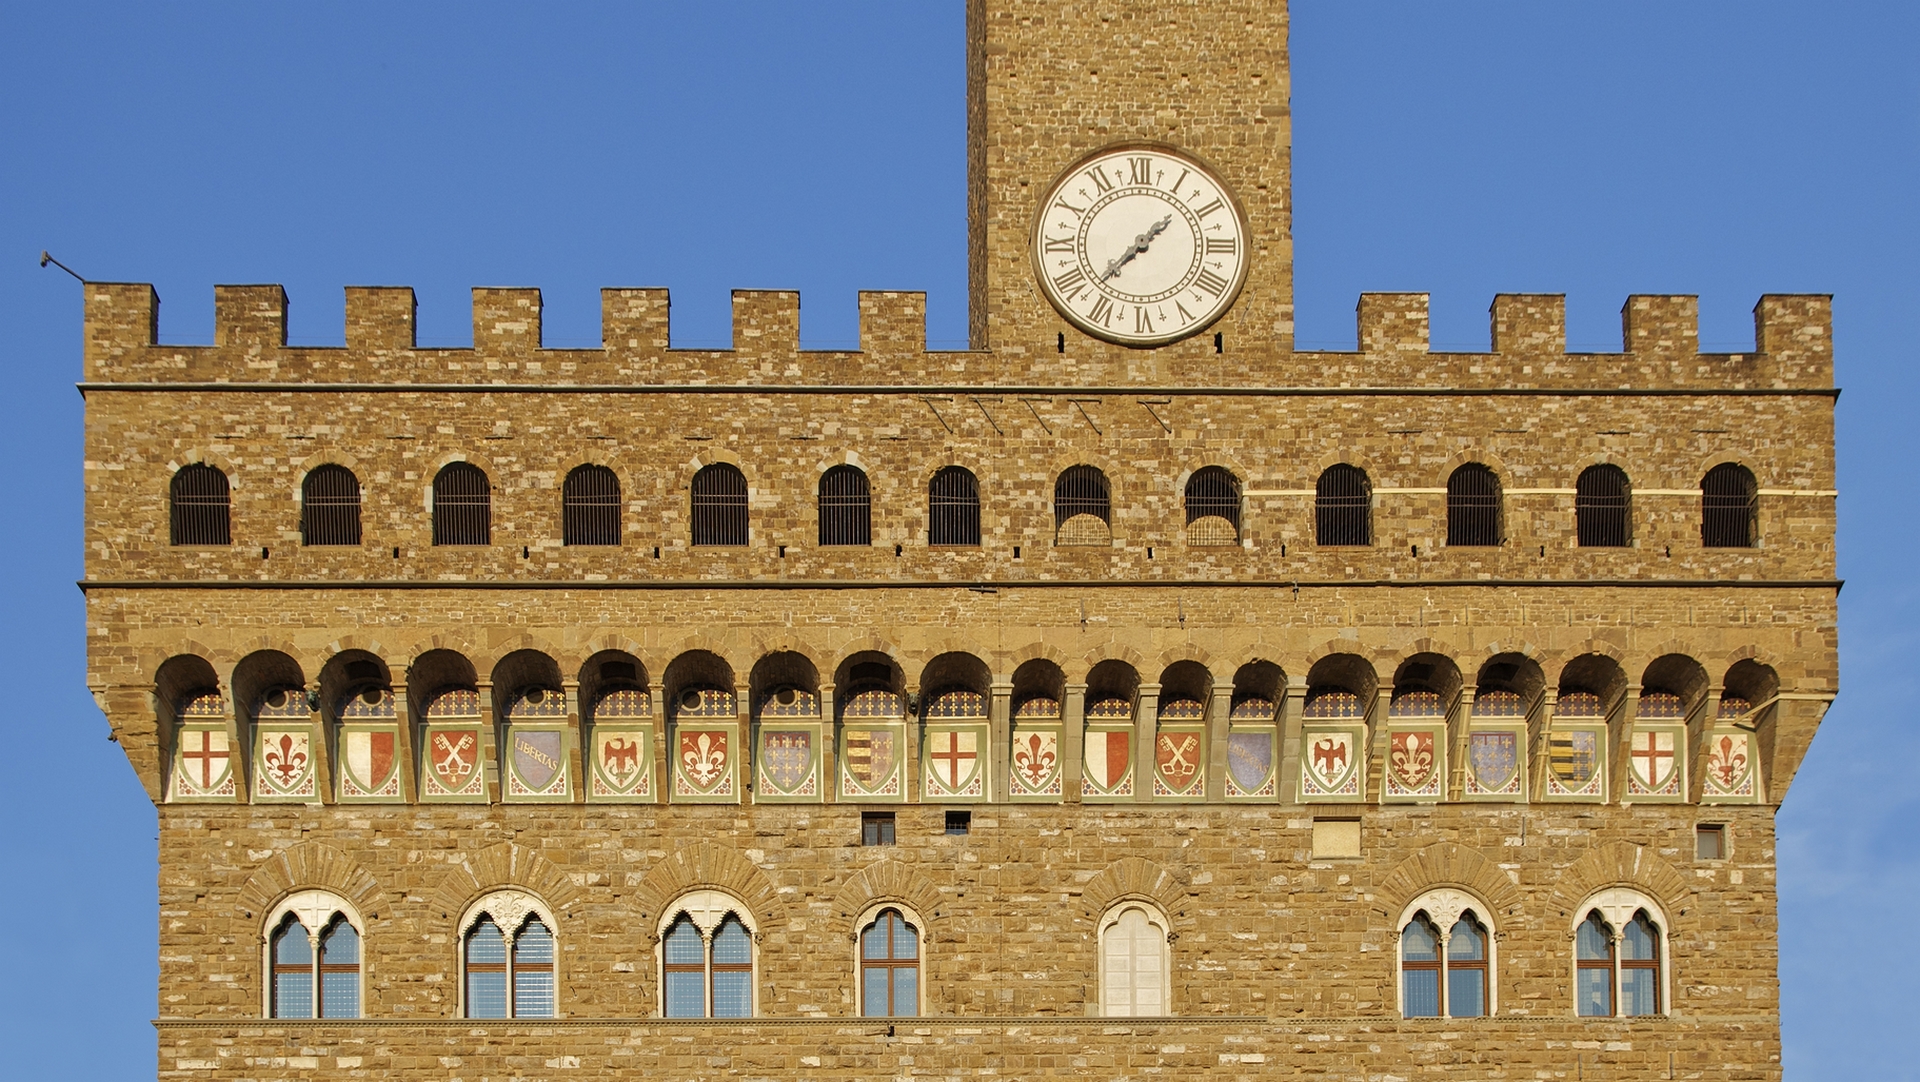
[[313, 957], [708, 942], [1603, 508], [1213, 507], [719, 493], [200, 506], [1473, 506], [1343, 506], [953, 507], [1447, 958], [507, 957], [462, 506], [590, 506], [1136, 979], [846, 507], [890, 956], [1082, 507], [330, 506], [1620, 956], [1729, 502]]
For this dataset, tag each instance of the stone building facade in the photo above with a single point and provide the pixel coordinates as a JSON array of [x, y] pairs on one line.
[[718, 657]]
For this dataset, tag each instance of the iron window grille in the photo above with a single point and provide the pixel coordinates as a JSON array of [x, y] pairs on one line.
[[1602, 508], [1082, 507], [1728, 502], [462, 506], [330, 507], [1213, 507], [846, 507], [953, 507], [590, 507], [1343, 506], [719, 505], [1473, 506], [201, 506]]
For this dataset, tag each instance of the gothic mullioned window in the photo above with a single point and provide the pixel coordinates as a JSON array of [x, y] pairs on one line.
[[846, 507], [719, 505], [590, 506], [1134, 969], [462, 506], [706, 955], [1446, 957], [1602, 508], [1473, 506], [1728, 501], [313, 957], [953, 507], [1082, 507], [200, 506], [508, 958], [1213, 507], [1343, 506], [890, 967], [330, 507], [1619, 956]]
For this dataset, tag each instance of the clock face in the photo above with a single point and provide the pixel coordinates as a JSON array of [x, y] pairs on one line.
[[1140, 245]]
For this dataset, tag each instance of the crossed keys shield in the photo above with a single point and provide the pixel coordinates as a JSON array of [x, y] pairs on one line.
[[1177, 757], [454, 757]]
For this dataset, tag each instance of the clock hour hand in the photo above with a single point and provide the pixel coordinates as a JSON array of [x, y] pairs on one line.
[[1139, 245]]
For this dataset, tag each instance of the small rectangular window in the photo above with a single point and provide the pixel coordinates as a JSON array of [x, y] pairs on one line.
[[876, 828], [959, 822], [1337, 839], [1710, 842]]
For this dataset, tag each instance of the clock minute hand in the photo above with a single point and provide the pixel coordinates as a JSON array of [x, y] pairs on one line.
[[1140, 244]]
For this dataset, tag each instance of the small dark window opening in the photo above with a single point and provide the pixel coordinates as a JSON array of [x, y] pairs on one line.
[[1213, 507], [1343, 506], [953, 507], [201, 507], [959, 822], [1709, 842], [1602, 508], [590, 506], [330, 507], [1728, 500], [719, 505], [462, 506], [846, 507], [1082, 507], [876, 828], [1473, 506]]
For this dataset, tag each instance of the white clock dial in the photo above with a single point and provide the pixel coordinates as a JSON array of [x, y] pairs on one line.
[[1140, 245]]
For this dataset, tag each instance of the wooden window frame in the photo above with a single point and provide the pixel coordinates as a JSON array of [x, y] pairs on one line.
[[707, 911], [510, 910], [866, 924], [309, 909], [1617, 907], [1442, 909]]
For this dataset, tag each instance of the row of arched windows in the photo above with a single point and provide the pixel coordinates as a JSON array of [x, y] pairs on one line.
[[1082, 501], [708, 958]]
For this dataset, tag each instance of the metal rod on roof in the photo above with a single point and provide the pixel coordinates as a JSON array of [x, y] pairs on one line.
[[46, 259]]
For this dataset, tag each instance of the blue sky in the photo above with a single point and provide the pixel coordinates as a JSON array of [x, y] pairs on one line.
[[1596, 150]]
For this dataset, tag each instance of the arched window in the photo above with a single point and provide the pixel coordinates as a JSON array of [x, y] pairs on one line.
[[330, 507], [1602, 508], [1446, 957], [1728, 500], [846, 507], [1213, 507], [1473, 506], [1082, 507], [313, 957], [1133, 963], [953, 507], [706, 958], [1619, 956], [719, 505], [590, 506], [1343, 506], [200, 506], [508, 958], [462, 506], [890, 967]]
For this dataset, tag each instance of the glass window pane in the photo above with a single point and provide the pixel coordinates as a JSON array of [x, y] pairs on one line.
[[486, 943], [533, 993], [1637, 941], [731, 944], [1422, 993], [340, 945], [906, 941], [1593, 991], [293, 993], [683, 944], [487, 993], [1466, 992], [534, 944], [340, 994], [686, 996], [906, 991], [874, 940], [732, 994], [290, 945], [1418, 943], [1465, 942], [1637, 990], [873, 993], [1595, 941]]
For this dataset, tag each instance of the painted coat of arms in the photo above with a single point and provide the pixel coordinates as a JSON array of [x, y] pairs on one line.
[[622, 761], [1035, 761], [536, 762], [1654, 763], [1250, 770], [1574, 763], [954, 763], [1330, 765], [788, 763], [1179, 763], [369, 746], [453, 763], [1493, 762], [1108, 767], [870, 761], [1415, 763], [703, 762], [1728, 767]]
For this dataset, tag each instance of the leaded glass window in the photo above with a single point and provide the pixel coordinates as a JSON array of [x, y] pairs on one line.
[[340, 970], [706, 956], [1466, 969], [486, 971], [1420, 969], [533, 971], [313, 975], [732, 970], [1593, 967], [890, 967], [292, 970], [686, 970], [510, 977], [1640, 966]]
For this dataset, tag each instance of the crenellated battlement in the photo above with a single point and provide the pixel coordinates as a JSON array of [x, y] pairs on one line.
[[1660, 347]]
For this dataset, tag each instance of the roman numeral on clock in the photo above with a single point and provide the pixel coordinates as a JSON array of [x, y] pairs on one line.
[[1209, 208], [1210, 282], [1140, 171], [1071, 283], [1099, 179], [1065, 244], [1102, 312], [1142, 321], [1222, 245]]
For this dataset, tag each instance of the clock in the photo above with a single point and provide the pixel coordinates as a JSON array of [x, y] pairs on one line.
[[1140, 245]]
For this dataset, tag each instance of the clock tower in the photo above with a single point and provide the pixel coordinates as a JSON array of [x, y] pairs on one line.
[[1051, 85]]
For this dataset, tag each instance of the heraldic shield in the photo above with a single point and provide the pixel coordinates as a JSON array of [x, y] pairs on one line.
[[1574, 763], [1729, 768], [1493, 762], [203, 754], [620, 747], [789, 763], [1035, 762], [955, 766], [870, 761], [1179, 762], [283, 746], [1250, 762], [1108, 767], [369, 766], [453, 738], [1654, 761], [1330, 764], [1415, 768], [537, 760]]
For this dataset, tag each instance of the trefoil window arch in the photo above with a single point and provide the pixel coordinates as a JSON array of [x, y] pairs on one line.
[[708, 944], [313, 957], [200, 506], [1620, 956], [330, 506], [953, 507], [590, 506], [1135, 962], [1447, 963], [508, 954], [846, 507], [890, 956]]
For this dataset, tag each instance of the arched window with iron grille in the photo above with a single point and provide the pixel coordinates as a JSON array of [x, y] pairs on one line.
[[1343, 506], [330, 507], [590, 506], [462, 506], [1473, 506], [1213, 507], [953, 507], [719, 505], [1603, 508], [1728, 501], [200, 506], [1082, 507], [846, 507]]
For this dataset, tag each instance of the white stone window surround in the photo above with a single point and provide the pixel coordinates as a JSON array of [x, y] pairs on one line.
[[315, 909], [1444, 906], [509, 907], [1111, 920], [1617, 905], [706, 908], [860, 925]]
